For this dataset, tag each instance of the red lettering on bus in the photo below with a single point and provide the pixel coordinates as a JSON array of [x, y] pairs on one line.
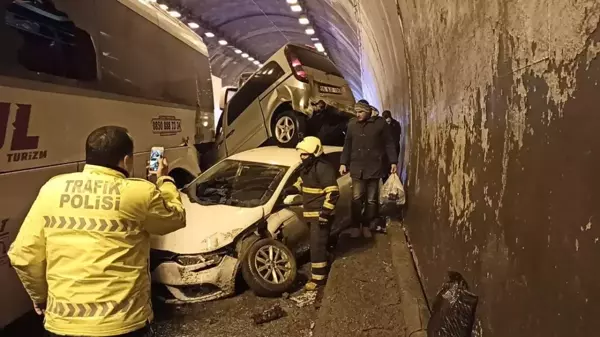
[[4, 112]]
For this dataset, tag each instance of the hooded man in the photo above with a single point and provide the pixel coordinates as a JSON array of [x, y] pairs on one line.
[[395, 128], [367, 145]]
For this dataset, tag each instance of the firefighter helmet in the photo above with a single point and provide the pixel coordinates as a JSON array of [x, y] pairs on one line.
[[310, 145]]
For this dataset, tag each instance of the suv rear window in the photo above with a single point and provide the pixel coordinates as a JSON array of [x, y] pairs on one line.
[[313, 59]]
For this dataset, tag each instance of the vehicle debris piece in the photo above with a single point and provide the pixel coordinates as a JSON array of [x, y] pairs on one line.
[[304, 298], [269, 315]]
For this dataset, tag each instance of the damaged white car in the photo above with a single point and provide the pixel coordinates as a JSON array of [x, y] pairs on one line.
[[239, 220]]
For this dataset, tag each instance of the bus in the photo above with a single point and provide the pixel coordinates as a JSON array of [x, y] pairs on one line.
[[68, 67]]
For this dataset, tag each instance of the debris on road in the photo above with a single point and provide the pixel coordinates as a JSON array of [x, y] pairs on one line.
[[269, 315], [304, 298]]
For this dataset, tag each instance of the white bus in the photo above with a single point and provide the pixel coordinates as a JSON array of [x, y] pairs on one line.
[[68, 67]]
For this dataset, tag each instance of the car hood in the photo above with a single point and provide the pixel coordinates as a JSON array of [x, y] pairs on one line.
[[208, 228]]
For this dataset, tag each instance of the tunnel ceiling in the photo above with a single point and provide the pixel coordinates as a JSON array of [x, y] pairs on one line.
[[261, 27]]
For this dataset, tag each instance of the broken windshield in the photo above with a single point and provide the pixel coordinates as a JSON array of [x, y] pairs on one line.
[[236, 183]]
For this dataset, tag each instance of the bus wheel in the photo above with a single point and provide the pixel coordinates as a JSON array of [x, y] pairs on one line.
[[181, 177], [288, 129]]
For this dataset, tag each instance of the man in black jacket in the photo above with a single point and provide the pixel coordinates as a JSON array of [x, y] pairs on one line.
[[367, 145], [396, 131]]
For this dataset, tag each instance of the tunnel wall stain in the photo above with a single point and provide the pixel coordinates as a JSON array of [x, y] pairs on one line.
[[504, 155]]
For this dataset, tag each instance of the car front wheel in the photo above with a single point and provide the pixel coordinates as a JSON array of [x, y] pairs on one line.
[[269, 268]]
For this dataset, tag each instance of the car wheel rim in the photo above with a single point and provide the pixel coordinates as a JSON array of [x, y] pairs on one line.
[[273, 264], [284, 129]]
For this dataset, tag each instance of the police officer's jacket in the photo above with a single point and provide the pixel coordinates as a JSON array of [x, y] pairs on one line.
[[83, 249], [320, 191]]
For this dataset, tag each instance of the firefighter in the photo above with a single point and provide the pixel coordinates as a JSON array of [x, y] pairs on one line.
[[82, 251], [320, 192]]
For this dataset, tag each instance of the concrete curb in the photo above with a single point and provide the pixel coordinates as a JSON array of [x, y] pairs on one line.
[[414, 305]]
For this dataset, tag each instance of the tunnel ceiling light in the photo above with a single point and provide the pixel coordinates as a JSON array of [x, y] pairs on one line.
[[244, 55], [222, 42], [237, 51], [251, 59], [193, 25], [175, 14], [292, 2], [257, 63], [209, 34], [163, 7], [319, 47], [310, 31], [296, 8], [303, 20], [315, 38]]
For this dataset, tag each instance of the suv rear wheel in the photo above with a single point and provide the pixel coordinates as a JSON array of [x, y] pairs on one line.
[[288, 129]]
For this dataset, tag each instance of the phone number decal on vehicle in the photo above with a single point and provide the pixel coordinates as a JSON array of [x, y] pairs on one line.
[[166, 125], [329, 90]]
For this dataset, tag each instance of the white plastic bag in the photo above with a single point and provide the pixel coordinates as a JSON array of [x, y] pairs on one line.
[[391, 192]]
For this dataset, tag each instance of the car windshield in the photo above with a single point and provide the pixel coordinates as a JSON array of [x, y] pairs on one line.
[[236, 183]]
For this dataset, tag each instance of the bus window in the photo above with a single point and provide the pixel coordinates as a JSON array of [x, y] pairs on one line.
[[49, 42]]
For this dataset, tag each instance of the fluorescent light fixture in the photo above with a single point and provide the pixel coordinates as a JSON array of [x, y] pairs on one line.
[[303, 20], [222, 42], [319, 47], [237, 51], [251, 59], [324, 53], [314, 38], [209, 34], [244, 55], [292, 2], [163, 7], [296, 8], [257, 62], [175, 14], [193, 25], [310, 31]]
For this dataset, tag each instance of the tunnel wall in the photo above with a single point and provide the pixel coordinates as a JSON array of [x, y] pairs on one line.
[[503, 182]]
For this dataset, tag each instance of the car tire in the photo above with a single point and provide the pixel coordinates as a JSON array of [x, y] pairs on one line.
[[288, 129], [258, 271]]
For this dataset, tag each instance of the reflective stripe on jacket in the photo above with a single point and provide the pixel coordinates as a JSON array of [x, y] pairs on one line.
[[320, 191], [83, 249]]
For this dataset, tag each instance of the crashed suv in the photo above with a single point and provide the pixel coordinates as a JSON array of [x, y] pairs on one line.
[[240, 221], [297, 92]]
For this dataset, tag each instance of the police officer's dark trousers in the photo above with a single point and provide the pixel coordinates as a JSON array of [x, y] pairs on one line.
[[319, 238], [365, 193]]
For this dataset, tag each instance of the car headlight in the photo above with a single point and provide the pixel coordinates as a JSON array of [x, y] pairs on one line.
[[218, 240]]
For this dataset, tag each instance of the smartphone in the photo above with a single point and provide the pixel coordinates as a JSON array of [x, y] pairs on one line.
[[155, 155]]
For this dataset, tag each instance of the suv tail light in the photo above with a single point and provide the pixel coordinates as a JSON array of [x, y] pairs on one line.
[[297, 68]]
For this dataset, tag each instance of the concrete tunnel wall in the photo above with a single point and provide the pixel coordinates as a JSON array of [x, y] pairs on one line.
[[499, 101]]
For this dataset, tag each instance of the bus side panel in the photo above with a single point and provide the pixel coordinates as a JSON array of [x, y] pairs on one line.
[[19, 191], [43, 128]]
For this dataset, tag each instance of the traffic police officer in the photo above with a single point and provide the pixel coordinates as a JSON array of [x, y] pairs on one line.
[[320, 192], [82, 251]]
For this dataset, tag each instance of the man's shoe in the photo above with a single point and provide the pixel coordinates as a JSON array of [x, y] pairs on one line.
[[354, 233], [367, 232], [311, 286]]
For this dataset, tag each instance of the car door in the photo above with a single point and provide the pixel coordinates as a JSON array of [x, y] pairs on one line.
[[342, 208], [245, 125], [296, 232]]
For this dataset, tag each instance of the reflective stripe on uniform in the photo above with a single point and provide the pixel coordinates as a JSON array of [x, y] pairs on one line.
[[311, 214], [90, 224], [311, 190], [298, 184], [330, 189], [317, 277], [319, 264], [68, 309], [328, 205]]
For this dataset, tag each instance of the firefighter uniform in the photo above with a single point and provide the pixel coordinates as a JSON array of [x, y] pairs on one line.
[[320, 192], [83, 249]]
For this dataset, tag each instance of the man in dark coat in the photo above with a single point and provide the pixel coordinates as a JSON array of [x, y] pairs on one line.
[[396, 131], [368, 144]]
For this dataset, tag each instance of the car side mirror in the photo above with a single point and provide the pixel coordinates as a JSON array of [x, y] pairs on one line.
[[226, 95], [293, 200]]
